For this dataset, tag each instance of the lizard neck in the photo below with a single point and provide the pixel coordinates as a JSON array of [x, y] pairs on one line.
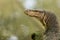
[[50, 22]]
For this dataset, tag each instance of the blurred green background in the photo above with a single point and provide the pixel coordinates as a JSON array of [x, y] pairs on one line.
[[13, 21]]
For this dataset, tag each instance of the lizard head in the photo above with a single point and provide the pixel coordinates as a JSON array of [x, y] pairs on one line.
[[34, 13]]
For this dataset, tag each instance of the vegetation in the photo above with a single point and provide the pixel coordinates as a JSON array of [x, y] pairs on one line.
[[13, 21]]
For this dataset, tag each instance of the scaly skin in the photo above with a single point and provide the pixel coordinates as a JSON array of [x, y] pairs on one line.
[[48, 20]]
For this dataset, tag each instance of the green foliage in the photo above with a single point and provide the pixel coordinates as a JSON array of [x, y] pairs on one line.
[[13, 21]]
